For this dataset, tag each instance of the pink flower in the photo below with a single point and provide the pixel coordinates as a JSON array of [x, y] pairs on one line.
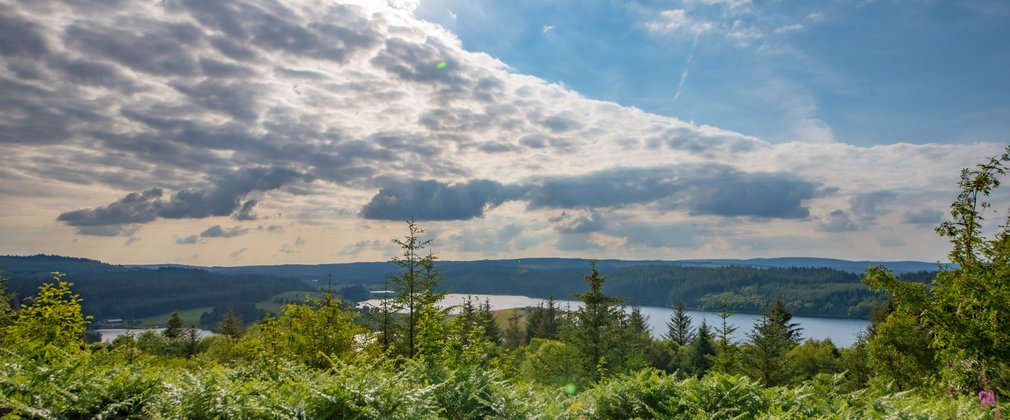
[[987, 398]]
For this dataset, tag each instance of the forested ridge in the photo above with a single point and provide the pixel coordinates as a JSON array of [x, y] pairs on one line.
[[128, 292], [133, 292]]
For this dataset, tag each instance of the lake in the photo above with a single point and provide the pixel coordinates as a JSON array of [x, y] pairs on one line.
[[842, 332], [109, 334]]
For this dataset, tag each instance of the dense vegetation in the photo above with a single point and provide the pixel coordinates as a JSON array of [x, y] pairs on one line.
[[935, 351]]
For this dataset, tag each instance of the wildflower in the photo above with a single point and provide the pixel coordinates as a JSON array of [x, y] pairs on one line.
[[987, 398]]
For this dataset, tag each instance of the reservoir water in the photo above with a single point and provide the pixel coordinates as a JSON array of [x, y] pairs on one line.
[[842, 332]]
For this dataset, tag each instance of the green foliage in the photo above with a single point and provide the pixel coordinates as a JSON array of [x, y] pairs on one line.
[[899, 351], [553, 363], [700, 352], [815, 357], [964, 310], [544, 321], [309, 333], [50, 321]]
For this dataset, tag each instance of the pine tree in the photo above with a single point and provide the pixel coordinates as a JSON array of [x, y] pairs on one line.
[[175, 326], [230, 325], [679, 328], [770, 341], [780, 315], [491, 332], [513, 334], [700, 352], [725, 359], [596, 330], [544, 321], [415, 287]]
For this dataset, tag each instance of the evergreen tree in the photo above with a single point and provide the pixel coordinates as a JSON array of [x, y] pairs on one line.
[[544, 321], [765, 356], [175, 326], [778, 314], [700, 352], [491, 332], [513, 333], [230, 325], [191, 341], [415, 287], [679, 328], [596, 328], [726, 358]]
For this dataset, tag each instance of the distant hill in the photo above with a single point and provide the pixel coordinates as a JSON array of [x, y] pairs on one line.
[[810, 286], [374, 272], [115, 291]]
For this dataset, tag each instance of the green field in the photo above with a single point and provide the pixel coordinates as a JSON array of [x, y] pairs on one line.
[[189, 317]]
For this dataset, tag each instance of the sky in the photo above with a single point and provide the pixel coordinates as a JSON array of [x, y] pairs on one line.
[[270, 132]]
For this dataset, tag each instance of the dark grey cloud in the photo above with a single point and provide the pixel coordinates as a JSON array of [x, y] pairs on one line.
[[189, 240], [341, 31], [607, 188], [114, 230], [433, 200], [163, 48], [222, 199], [239, 100], [133, 208], [728, 192], [699, 189], [923, 217], [244, 213], [20, 37], [217, 231]]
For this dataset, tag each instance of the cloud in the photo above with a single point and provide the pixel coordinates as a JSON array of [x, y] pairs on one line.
[[433, 200], [868, 206], [189, 240], [838, 221], [698, 189], [238, 252], [592, 222], [217, 231], [547, 28], [244, 213], [923, 217], [221, 199]]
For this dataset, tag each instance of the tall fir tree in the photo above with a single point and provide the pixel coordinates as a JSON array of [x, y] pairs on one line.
[[700, 352], [596, 329], [415, 286], [230, 325], [679, 328], [726, 358], [175, 326], [765, 356]]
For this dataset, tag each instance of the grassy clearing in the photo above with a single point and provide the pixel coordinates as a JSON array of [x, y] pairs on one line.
[[189, 316]]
